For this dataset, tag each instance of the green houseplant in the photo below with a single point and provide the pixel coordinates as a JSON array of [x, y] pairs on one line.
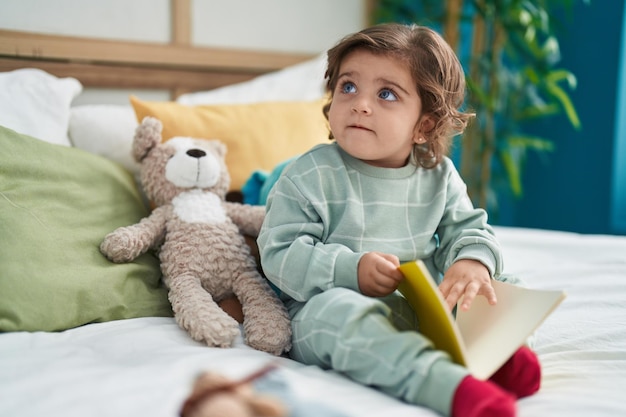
[[510, 51]]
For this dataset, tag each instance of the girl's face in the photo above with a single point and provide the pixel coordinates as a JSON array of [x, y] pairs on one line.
[[375, 114]]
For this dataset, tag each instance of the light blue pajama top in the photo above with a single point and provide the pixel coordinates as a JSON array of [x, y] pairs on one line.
[[328, 209]]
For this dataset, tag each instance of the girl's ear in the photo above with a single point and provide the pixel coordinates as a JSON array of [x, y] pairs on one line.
[[427, 124], [423, 128]]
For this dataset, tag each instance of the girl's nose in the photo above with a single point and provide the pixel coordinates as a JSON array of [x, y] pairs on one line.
[[361, 105]]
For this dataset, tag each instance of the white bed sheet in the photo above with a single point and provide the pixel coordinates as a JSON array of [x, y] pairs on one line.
[[145, 367]]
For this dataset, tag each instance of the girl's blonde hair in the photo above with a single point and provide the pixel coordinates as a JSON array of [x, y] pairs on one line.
[[435, 68]]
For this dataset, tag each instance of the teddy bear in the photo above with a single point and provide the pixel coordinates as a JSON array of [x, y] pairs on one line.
[[199, 237]]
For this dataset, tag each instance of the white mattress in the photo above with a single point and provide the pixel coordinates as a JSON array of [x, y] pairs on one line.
[[145, 367]]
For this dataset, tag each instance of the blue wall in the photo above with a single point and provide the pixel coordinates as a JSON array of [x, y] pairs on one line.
[[580, 186]]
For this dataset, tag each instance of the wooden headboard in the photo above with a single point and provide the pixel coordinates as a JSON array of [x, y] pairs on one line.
[[177, 66]]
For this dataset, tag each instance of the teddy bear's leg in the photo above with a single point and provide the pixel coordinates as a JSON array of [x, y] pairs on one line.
[[266, 322], [197, 312]]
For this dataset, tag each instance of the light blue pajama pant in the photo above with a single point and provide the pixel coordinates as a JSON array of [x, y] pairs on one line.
[[374, 342]]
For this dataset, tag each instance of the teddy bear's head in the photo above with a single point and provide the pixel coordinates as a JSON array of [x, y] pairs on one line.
[[179, 164]]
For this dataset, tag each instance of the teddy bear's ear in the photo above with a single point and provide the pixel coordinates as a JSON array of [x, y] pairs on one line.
[[219, 147], [147, 136]]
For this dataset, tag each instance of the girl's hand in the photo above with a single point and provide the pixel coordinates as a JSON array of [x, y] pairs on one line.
[[467, 278], [378, 274]]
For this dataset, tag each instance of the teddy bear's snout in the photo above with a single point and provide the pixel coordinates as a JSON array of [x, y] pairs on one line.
[[196, 153]]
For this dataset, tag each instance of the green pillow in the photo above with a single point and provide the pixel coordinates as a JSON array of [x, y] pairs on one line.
[[56, 205]]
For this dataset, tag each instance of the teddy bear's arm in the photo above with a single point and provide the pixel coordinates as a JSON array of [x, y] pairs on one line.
[[126, 243], [248, 218]]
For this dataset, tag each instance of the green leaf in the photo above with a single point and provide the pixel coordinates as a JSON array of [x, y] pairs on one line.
[[560, 94], [556, 76], [512, 169], [530, 142]]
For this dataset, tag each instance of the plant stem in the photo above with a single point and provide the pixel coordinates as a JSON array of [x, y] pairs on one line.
[[451, 24], [470, 155]]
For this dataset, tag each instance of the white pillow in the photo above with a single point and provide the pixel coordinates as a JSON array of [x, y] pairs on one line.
[[37, 104], [300, 82], [106, 130]]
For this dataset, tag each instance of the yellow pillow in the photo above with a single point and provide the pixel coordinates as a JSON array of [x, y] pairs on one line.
[[258, 136]]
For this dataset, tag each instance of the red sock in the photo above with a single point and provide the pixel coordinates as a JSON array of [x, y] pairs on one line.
[[476, 398], [521, 374]]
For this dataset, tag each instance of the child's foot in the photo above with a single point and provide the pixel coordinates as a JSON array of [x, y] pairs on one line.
[[521, 374], [476, 398]]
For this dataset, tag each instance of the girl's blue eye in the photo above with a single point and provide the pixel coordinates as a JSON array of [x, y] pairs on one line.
[[387, 95], [348, 88]]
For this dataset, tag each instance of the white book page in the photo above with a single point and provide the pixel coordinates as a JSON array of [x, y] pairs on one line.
[[491, 334]]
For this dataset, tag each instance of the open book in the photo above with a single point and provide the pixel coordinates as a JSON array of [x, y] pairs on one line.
[[484, 337]]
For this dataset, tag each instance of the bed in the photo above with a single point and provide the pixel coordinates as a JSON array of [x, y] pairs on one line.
[[81, 336]]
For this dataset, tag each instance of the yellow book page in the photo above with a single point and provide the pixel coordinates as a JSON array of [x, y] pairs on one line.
[[435, 320]]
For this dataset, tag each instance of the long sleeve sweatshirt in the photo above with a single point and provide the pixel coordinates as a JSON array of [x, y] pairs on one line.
[[328, 209]]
